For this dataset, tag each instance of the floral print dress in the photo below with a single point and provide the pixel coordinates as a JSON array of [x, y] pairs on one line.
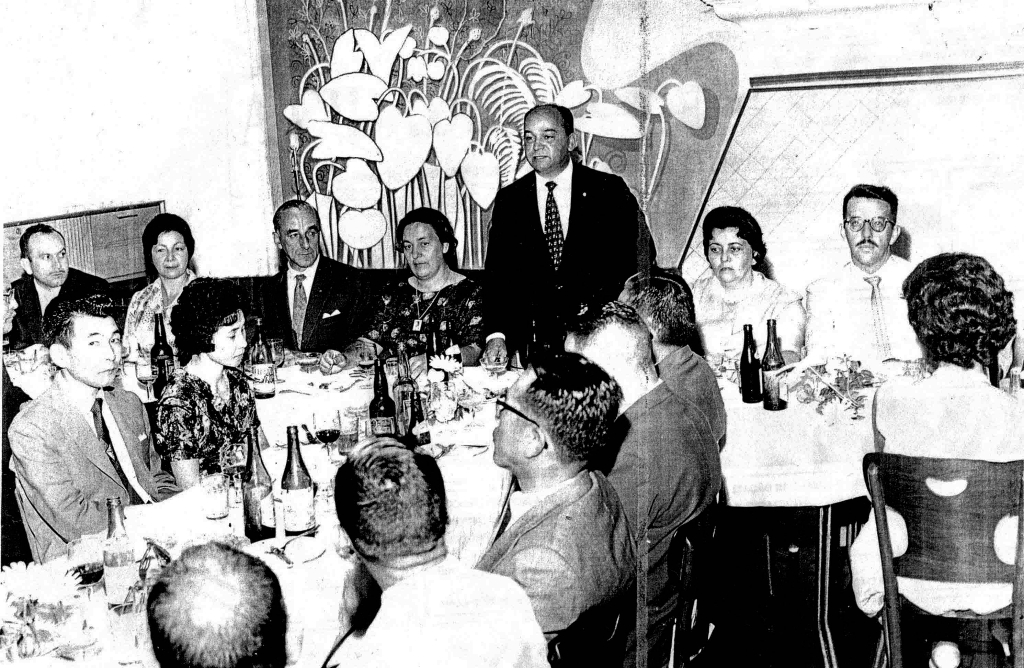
[[146, 303], [194, 423], [456, 309]]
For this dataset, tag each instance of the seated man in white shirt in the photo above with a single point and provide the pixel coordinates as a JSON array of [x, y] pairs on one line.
[[859, 309], [433, 611], [81, 441]]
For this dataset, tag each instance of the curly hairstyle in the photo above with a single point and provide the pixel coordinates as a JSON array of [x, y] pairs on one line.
[[665, 304], [439, 223], [724, 217], [244, 620], [868, 191], [165, 222], [59, 323], [205, 305], [960, 309], [391, 501], [577, 402]]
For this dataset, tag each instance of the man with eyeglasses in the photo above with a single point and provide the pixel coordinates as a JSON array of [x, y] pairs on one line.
[[566, 542], [859, 309]]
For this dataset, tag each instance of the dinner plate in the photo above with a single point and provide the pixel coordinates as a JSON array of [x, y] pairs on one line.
[[300, 549]]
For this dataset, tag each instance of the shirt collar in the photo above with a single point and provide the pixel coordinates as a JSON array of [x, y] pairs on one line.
[[953, 375], [79, 395], [308, 272], [520, 503], [564, 180]]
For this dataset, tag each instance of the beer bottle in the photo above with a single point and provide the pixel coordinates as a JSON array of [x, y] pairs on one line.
[[405, 389], [257, 493], [262, 369], [296, 489], [119, 569], [776, 392], [161, 356], [750, 368], [382, 408]]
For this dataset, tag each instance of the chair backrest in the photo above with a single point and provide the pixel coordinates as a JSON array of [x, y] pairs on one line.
[[690, 559], [951, 508], [597, 639]]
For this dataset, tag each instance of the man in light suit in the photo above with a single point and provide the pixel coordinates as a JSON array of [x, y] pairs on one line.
[[562, 237], [567, 542], [859, 309], [81, 442], [314, 303]]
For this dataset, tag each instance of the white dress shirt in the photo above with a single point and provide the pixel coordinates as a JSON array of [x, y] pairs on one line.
[[563, 197], [309, 273], [520, 503], [83, 397]]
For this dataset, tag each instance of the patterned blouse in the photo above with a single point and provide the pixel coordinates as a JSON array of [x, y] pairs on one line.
[[138, 324], [194, 423], [458, 306]]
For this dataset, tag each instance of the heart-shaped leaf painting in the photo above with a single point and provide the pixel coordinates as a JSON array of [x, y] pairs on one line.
[[342, 141], [362, 229], [687, 103], [357, 187], [609, 120], [437, 110], [573, 95], [641, 99], [354, 95], [435, 70], [311, 109], [405, 143], [451, 142], [480, 174], [381, 55], [345, 58]]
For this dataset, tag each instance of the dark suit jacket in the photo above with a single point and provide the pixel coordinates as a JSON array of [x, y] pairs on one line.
[[690, 378], [598, 255], [63, 474], [570, 552], [337, 309], [28, 321], [13, 541]]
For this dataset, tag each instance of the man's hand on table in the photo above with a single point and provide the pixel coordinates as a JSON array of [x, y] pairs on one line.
[[332, 361], [495, 352]]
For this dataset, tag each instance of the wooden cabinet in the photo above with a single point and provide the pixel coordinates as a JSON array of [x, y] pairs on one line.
[[106, 242]]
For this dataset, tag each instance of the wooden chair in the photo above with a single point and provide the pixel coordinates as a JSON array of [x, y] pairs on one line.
[[597, 639], [950, 538], [690, 561]]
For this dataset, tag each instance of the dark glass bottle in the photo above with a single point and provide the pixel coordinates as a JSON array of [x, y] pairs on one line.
[[750, 368], [262, 370], [161, 356], [775, 390], [414, 429], [296, 489], [119, 569], [257, 493], [382, 408], [403, 392]]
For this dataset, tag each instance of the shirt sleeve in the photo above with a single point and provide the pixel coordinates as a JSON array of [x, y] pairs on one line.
[[183, 425]]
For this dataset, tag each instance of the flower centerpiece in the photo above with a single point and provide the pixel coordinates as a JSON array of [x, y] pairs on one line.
[[443, 400], [836, 385], [38, 610]]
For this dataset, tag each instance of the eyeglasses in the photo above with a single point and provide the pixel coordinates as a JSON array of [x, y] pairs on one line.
[[503, 406], [8, 295], [877, 224]]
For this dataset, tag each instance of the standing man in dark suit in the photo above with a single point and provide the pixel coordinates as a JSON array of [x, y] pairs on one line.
[[48, 280], [314, 303], [562, 237]]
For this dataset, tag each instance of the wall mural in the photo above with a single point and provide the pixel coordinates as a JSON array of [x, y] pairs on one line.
[[412, 104]]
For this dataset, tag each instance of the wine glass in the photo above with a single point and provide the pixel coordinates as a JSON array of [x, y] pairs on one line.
[[276, 351], [145, 373], [327, 427], [471, 401]]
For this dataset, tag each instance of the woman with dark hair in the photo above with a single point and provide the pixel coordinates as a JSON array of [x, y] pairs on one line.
[[434, 297], [738, 293], [207, 405], [167, 247], [961, 312]]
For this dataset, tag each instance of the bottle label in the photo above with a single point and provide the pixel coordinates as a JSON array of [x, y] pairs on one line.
[[267, 510], [263, 380], [776, 390], [298, 508], [382, 426]]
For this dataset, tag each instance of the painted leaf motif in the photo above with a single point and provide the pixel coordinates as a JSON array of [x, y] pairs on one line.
[[381, 54], [480, 173], [605, 119], [345, 58], [543, 78], [574, 94], [507, 146], [311, 109], [354, 95], [342, 141], [641, 99], [503, 93]]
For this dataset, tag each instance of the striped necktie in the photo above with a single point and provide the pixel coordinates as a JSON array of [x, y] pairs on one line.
[[553, 226]]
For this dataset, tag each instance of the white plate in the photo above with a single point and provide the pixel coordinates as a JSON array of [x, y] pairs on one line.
[[301, 549]]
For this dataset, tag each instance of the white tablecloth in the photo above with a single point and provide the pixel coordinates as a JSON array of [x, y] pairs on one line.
[[793, 457]]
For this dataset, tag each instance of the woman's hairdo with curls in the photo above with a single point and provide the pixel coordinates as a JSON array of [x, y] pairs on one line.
[[960, 309], [439, 223], [205, 305], [724, 217]]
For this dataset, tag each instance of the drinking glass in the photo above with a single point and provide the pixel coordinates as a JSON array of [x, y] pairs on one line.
[[494, 369], [215, 488], [349, 436], [327, 427], [471, 401], [127, 626], [276, 351], [145, 373]]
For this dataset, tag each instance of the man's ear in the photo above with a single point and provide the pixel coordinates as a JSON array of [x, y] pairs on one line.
[[573, 143], [896, 229], [26, 265], [59, 355], [277, 239], [534, 442]]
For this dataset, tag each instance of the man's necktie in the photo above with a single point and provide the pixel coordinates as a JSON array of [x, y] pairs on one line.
[[299, 309], [553, 226], [104, 435], [878, 314]]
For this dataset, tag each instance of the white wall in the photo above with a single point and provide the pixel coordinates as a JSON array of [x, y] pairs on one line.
[[120, 101]]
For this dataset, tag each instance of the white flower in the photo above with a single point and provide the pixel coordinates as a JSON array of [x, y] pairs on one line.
[[37, 582], [445, 363], [435, 376]]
